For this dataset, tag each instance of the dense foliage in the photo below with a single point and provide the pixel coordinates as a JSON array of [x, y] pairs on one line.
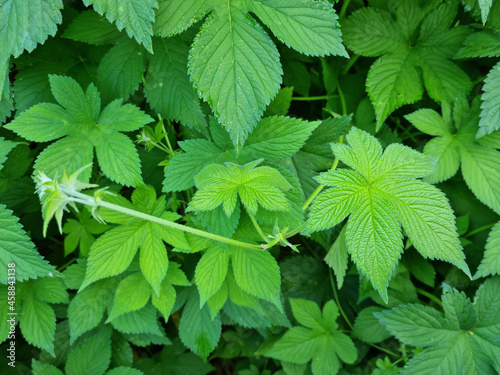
[[250, 187]]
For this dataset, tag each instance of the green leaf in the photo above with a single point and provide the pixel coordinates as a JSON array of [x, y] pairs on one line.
[[450, 348], [382, 194], [235, 66], [40, 368], [222, 184], [490, 265], [257, 273], [306, 26], [485, 43], [278, 137], [91, 356], [124, 371], [393, 81], [17, 248], [197, 330], [37, 322], [338, 257], [50, 290], [165, 300], [90, 27], [81, 233], [25, 24], [121, 69], [368, 328], [136, 17], [5, 148], [429, 122], [167, 87], [490, 107], [298, 345], [154, 259], [175, 16], [87, 308], [485, 6], [372, 32], [142, 322], [217, 222], [211, 272], [306, 312], [132, 294]]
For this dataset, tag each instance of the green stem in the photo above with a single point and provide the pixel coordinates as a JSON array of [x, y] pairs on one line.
[[258, 228], [85, 199], [337, 300], [477, 230], [350, 64], [342, 101], [430, 296], [385, 350], [65, 265], [295, 231], [311, 98], [343, 10]]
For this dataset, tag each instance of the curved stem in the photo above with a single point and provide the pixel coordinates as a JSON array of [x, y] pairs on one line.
[[337, 300], [257, 227], [430, 296], [311, 98]]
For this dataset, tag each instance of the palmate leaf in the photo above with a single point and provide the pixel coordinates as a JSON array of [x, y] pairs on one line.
[[84, 127], [478, 157], [233, 62], [381, 195], [136, 17], [223, 184], [394, 79], [464, 340], [113, 252], [319, 342]]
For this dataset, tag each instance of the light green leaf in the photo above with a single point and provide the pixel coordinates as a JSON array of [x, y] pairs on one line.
[[306, 26], [122, 117], [40, 368], [490, 265], [164, 302], [372, 32], [338, 257], [222, 184], [278, 137], [485, 6], [124, 371], [446, 149], [175, 16], [485, 43], [119, 159], [37, 322], [400, 162], [325, 361], [153, 259], [392, 82], [120, 70], [112, 253], [368, 328], [374, 240], [217, 222], [25, 24], [90, 27], [459, 310], [490, 107], [344, 347], [91, 356], [429, 122], [197, 330], [142, 322], [211, 272], [235, 66], [167, 87], [50, 290], [428, 219], [135, 16], [16, 247], [306, 312], [41, 123], [257, 273], [87, 308], [132, 294], [298, 345]]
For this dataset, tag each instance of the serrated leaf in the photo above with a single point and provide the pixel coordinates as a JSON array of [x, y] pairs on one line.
[[175, 16], [142, 321], [87, 308], [135, 16], [306, 312], [26, 24], [298, 345], [235, 67], [429, 122], [165, 300], [197, 330], [153, 259], [278, 137], [211, 272], [167, 87], [490, 265], [382, 195], [40, 368], [121, 69], [223, 184], [392, 82], [338, 256], [490, 107], [372, 32], [485, 6], [306, 26], [122, 370], [485, 43], [50, 290], [257, 273], [37, 322], [90, 27], [218, 222], [132, 294], [368, 328], [91, 356], [16, 247]]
